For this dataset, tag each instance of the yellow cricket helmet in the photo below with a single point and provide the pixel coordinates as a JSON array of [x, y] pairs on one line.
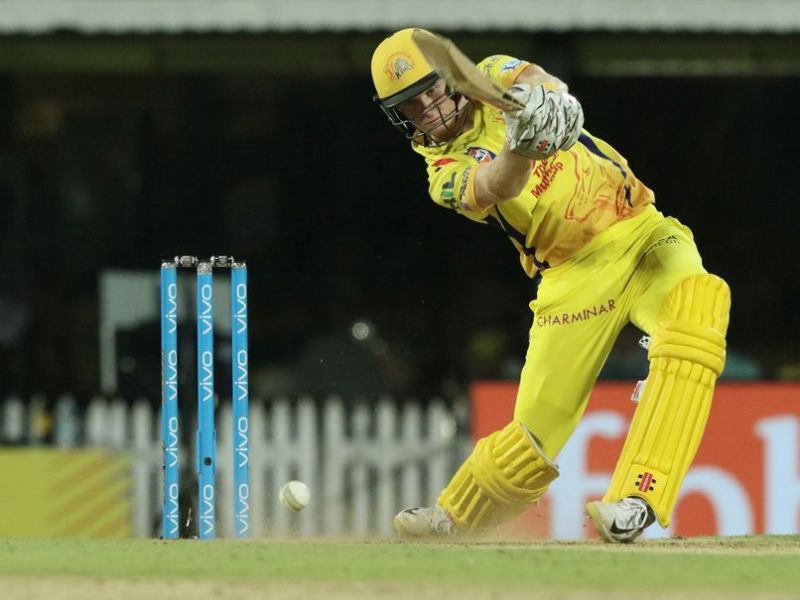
[[399, 70]]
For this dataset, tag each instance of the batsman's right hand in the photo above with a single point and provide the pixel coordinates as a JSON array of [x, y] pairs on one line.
[[550, 121]]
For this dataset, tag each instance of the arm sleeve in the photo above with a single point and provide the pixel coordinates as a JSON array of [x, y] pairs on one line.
[[503, 69], [451, 180]]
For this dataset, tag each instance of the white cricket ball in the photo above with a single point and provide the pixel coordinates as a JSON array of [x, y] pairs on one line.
[[294, 495]]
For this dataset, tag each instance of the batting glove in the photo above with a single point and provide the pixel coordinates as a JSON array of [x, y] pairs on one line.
[[549, 121]]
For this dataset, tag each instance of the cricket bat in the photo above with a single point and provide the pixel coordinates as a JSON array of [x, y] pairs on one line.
[[460, 72]]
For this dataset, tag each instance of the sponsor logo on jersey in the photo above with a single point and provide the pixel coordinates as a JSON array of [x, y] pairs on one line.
[[442, 162], [488, 64], [462, 189], [481, 155], [667, 241], [452, 195], [511, 65], [566, 318], [448, 191], [546, 170]]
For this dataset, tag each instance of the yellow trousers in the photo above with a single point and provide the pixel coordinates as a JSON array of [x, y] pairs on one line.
[[621, 276]]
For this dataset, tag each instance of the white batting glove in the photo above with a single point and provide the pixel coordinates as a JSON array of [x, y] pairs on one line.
[[573, 114], [549, 121], [525, 128]]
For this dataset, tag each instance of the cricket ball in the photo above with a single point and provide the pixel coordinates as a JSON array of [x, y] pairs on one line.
[[294, 495]]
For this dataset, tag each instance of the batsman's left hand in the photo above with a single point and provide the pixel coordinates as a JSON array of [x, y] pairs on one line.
[[551, 120]]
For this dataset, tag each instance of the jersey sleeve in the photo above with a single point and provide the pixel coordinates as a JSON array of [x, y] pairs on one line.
[[502, 69], [451, 180]]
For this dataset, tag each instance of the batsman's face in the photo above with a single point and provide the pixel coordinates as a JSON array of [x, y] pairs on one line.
[[435, 112]]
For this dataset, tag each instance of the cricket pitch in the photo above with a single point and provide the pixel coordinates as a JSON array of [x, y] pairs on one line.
[[757, 567]]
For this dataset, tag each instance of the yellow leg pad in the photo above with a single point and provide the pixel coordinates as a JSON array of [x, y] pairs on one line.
[[505, 473], [687, 354]]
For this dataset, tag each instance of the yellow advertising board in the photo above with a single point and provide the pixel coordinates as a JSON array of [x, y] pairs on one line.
[[57, 493]]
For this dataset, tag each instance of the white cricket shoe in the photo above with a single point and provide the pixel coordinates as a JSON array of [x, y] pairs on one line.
[[622, 521], [424, 522]]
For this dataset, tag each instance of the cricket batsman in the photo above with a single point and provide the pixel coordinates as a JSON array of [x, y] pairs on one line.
[[576, 214]]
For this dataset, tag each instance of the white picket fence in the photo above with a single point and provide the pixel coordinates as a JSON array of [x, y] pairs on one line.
[[363, 461]]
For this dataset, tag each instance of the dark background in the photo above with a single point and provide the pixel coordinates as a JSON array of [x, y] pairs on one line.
[[118, 151]]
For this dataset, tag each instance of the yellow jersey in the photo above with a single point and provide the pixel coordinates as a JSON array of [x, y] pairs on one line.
[[569, 198]]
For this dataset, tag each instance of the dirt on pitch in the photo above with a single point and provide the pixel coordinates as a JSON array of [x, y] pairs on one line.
[[47, 586], [73, 588], [764, 544]]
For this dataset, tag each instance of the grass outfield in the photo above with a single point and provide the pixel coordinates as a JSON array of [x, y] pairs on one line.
[[748, 567]]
